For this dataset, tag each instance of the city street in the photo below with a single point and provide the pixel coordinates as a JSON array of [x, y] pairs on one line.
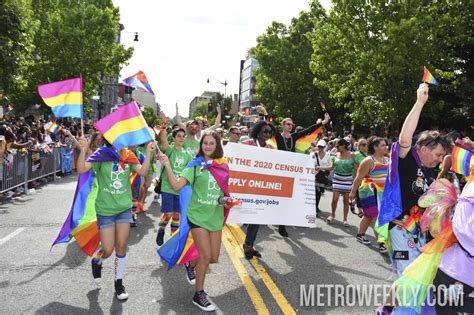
[[34, 279]]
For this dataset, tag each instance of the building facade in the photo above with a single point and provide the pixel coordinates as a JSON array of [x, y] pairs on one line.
[[205, 97], [247, 84]]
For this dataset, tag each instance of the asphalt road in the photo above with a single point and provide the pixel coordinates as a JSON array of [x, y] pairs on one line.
[[34, 279]]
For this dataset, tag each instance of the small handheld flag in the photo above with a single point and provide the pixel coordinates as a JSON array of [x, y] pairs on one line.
[[462, 161], [303, 144], [125, 127], [139, 81], [64, 97], [51, 127], [428, 77]]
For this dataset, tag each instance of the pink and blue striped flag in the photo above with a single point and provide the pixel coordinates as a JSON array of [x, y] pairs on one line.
[[125, 127], [64, 97], [139, 81]]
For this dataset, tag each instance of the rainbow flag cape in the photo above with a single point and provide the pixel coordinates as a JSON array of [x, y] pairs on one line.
[[428, 77], [180, 248], [51, 127], [81, 221], [139, 81], [125, 127], [64, 97], [462, 161], [303, 143]]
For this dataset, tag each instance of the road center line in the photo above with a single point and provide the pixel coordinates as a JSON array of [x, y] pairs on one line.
[[282, 302], [11, 235], [232, 247]]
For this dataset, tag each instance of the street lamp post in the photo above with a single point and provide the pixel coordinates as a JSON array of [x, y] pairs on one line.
[[224, 84]]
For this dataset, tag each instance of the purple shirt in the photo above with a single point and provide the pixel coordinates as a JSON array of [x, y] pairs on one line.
[[455, 261]]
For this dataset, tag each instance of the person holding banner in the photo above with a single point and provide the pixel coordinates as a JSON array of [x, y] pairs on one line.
[[261, 132], [113, 205], [287, 141], [204, 213]]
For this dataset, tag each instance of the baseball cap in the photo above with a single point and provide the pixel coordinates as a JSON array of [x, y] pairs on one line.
[[321, 143]]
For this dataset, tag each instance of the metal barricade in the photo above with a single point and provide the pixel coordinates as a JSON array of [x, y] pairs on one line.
[[27, 167]]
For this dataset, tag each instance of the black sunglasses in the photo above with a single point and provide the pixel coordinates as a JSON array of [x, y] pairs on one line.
[[268, 132]]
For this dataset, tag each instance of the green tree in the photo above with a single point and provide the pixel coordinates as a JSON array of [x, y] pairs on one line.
[[284, 79], [150, 117], [73, 38], [370, 57]]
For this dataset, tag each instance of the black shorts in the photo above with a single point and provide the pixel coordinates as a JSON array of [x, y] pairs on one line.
[[192, 225], [467, 305]]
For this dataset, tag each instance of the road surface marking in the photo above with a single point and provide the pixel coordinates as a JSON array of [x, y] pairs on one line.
[[282, 302], [11, 235], [235, 255]]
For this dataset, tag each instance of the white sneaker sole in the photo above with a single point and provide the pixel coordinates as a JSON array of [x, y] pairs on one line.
[[121, 297], [192, 282], [210, 308]]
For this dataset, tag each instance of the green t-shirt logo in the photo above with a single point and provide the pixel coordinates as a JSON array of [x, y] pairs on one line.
[[116, 178], [179, 162], [212, 184]]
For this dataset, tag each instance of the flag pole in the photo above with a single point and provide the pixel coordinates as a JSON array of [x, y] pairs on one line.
[[82, 113]]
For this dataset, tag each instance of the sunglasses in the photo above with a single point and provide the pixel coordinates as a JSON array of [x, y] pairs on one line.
[[289, 124], [320, 146], [268, 132]]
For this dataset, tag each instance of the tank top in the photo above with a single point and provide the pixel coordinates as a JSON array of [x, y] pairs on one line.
[[375, 179]]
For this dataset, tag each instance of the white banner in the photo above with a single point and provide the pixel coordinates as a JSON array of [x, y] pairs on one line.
[[275, 187]]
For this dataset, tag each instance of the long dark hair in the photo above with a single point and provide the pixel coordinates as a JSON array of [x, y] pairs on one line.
[[219, 152]]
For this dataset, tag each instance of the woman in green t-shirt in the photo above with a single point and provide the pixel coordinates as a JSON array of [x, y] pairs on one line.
[[205, 214], [113, 206]]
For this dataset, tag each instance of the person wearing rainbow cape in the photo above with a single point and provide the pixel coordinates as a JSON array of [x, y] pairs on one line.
[[203, 185], [113, 202], [411, 172], [441, 279]]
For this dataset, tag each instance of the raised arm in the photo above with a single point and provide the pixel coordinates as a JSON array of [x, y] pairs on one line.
[[176, 184], [217, 124], [164, 140], [310, 129], [142, 170], [82, 165], [178, 118], [411, 121]]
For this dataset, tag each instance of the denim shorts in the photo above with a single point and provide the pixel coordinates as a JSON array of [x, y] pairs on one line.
[[110, 221], [169, 203]]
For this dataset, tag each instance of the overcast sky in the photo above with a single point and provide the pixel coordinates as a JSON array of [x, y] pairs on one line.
[[182, 43]]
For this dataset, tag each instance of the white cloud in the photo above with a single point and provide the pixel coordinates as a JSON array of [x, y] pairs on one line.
[[182, 43]]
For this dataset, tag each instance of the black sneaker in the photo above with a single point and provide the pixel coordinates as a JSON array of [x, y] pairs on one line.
[[159, 237], [200, 300], [190, 275], [134, 222], [120, 292], [362, 239], [382, 248], [96, 270], [282, 231]]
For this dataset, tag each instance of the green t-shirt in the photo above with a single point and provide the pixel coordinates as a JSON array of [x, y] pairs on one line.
[[343, 167], [191, 146], [359, 157], [178, 161], [203, 209], [114, 194]]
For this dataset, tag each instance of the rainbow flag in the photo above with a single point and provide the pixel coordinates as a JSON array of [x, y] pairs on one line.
[[81, 223], [64, 97], [139, 81], [180, 248], [303, 143], [462, 161], [125, 127], [428, 77], [51, 127]]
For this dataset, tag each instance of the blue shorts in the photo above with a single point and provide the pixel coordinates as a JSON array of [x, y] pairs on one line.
[[169, 203], [405, 247], [110, 221]]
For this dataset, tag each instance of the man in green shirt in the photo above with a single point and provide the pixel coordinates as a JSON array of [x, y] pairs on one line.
[[178, 158]]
